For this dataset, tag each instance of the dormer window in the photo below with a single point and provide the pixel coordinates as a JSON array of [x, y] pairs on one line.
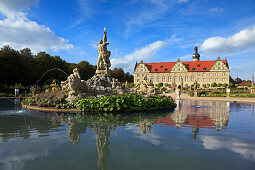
[[165, 69], [161, 66], [198, 65], [156, 69], [204, 68], [193, 68]]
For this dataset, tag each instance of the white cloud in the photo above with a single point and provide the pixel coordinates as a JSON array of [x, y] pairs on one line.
[[144, 53], [182, 1], [238, 42], [216, 9], [244, 148], [19, 32]]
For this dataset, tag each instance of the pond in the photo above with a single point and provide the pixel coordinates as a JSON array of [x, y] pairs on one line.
[[196, 135]]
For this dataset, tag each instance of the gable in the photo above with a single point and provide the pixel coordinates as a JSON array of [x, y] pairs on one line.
[[141, 68], [219, 65], [179, 67]]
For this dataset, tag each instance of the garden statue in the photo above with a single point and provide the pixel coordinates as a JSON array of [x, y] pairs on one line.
[[145, 86], [173, 85], [178, 93], [252, 85], [195, 88], [54, 86], [103, 61]]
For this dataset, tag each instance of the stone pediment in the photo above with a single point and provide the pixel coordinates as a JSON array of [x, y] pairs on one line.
[[219, 65], [179, 67], [142, 68]]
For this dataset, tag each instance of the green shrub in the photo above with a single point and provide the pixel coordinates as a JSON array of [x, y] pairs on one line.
[[214, 84], [249, 84], [236, 85], [166, 84], [160, 84], [132, 85], [219, 85], [225, 85], [125, 102], [208, 85], [231, 85]]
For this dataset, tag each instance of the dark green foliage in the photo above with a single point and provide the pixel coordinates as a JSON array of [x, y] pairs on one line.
[[249, 84], [225, 85], [219, 85], [132, 85], [166, 85], [214, 84], [124, 103], [160, 84], [231, 85]]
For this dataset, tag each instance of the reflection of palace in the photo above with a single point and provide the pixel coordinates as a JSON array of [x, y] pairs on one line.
[[198, 114]]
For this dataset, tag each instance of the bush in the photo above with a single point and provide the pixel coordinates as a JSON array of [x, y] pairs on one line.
[[219, 85], [249, 84], [231, 85], [214, 84], [208, 85], [160, 84], [225, 85], [166, 85], [124, 103], [192, 85], [204, 85], [132, 85], [236, 85]]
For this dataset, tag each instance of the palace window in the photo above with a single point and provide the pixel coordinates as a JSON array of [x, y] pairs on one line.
[[223, 79], [186, 78], [210, 79], [223, 74], [138, 80], [198, 65], [164, 78], [216, 74], [193, 68], [158, 78], [156, 69], [138, 75], [180, 78], [192, 78], [198, 79], [216, 79], [204, 68], [178, 69], [165, 69], [210, 74], [198, 74], [204, 79], [152, 78], [169, 78], [175, 78], [204, 74]]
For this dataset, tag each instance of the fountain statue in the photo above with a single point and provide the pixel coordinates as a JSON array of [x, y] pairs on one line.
[[103, 61]]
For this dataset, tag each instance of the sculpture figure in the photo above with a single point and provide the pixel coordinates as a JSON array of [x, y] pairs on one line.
[[103, 61]]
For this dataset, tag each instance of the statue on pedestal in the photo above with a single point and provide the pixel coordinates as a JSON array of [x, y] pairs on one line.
[[252, 85], [103, 61], [195, 88]]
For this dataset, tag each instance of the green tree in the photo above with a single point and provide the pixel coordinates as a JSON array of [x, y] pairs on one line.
[[219, 85], [236, 85], [249, 84], [160, 84], [86, 70], [166, 84], [214, 84], [208, 85], [119, 74], [225, 85], [231, 85]]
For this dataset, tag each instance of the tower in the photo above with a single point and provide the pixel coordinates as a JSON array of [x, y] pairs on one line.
[[196, 56]]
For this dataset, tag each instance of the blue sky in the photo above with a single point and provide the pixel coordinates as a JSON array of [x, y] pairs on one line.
[[152, 30]]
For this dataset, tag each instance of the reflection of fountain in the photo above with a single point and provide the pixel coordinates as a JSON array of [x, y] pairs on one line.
[[145, 126], [75, 129], [102, 133]]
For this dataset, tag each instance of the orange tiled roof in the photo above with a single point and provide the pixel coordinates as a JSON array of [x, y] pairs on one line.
[[192, 66]]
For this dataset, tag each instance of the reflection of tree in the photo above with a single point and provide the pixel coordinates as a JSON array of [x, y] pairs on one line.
[[195, 131], [145, 126]]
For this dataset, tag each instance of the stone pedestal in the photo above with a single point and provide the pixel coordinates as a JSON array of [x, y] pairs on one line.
[[228, 92], [178, 93], [103, 72], [195, 93]]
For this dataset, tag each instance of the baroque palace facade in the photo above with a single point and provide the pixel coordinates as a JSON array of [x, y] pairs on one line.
[[183, 72]]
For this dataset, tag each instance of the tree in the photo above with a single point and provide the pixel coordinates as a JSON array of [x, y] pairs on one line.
[[214, 84], [166, 85], [86, 70], [225, 85], [160, 84], [208, 85], [119, 74], [249, 84], [219, 85], [236, 85], [231, 85]]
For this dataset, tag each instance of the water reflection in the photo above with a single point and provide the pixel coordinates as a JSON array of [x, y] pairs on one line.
[[193, 116], [198, 114]]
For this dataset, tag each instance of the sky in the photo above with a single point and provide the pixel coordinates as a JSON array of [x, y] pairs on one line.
[[148, 30]]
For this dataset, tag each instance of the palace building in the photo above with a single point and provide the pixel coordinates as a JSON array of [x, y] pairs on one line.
[[183, 72]]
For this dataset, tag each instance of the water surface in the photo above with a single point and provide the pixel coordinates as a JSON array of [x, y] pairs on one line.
[[196, 135]]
